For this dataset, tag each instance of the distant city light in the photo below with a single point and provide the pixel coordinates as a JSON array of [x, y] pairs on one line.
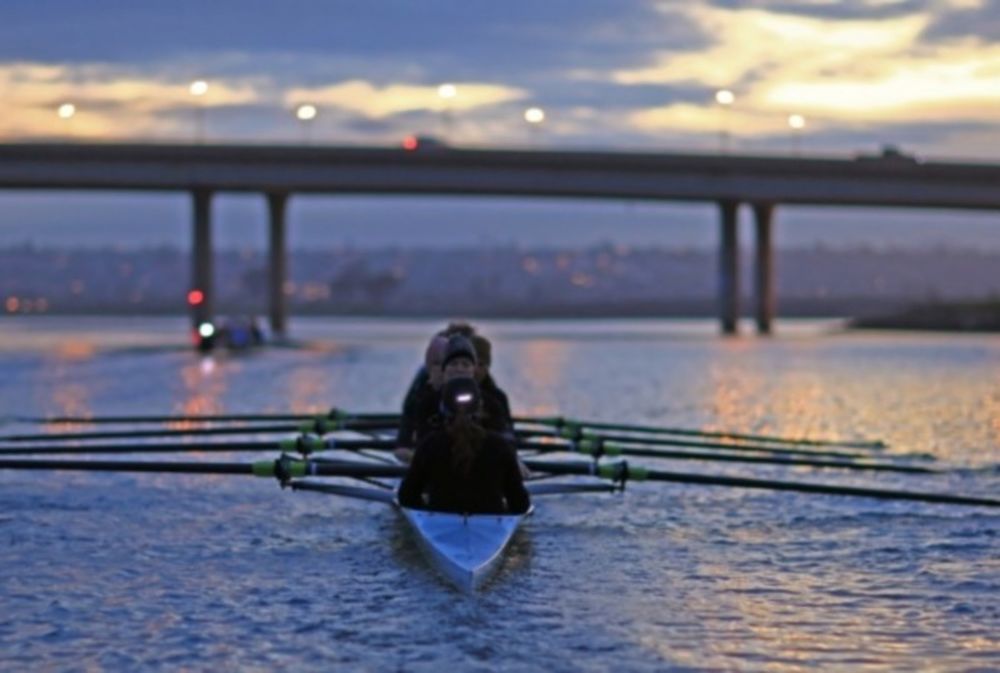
[[410, 143], [199, 87], [67, 110], [797, 121], [447, 91], [306, 112], [534, 115], [12, 304], [725, 97]]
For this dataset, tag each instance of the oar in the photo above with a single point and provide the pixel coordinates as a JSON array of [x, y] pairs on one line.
[[597, 448], [307, 445], [282, 468], [576, 434], [303, 445], [622, 472], [333, 414], [560, 422], [317, 426]]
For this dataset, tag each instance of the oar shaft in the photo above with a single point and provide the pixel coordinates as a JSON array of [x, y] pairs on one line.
[[127, 466], [212, 418], [615, 450], [267, 468], [642, 474], [297, 444], [692, 432], [666, 441], [318, 427]]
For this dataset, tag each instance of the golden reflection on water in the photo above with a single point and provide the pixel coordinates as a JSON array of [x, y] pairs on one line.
[[203, 385], [309, 387], [546, 361]]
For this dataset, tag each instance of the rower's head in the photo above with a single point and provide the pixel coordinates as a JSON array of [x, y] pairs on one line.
[[484, 356], [459, 359], [434, 359], [460, 397], [460, 328]]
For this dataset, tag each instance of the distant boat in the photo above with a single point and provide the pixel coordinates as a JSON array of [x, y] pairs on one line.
[[234, 334]]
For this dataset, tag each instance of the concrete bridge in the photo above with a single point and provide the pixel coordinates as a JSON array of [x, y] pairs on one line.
[[889, 179]]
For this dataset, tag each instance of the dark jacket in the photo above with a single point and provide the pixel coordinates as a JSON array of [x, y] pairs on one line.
[[492, 486], [422, 414], [413, 407], [496, 409]]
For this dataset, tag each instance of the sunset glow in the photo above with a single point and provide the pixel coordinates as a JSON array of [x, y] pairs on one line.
[[852, 71]]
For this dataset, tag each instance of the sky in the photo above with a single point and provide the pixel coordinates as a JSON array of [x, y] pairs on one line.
[[922, 75]]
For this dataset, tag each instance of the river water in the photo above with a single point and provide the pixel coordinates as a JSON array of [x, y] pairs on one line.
[[169, 572]]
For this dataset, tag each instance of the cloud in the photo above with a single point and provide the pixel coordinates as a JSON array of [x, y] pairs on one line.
[[110, 102], [838, 72], [364, 98]]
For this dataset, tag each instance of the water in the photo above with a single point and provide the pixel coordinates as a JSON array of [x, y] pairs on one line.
[[129, 572]]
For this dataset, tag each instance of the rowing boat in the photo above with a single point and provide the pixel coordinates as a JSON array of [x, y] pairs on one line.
[[466, 549]]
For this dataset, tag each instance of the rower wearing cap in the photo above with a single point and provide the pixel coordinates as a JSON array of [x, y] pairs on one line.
[[495, 399], [462, 467], [427, 382], [425, 410], [429, 374]]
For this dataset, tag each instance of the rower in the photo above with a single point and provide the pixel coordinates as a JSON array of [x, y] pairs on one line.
[[461, 467], [494, 398], [426, 383], [429, 371], [422, 415]]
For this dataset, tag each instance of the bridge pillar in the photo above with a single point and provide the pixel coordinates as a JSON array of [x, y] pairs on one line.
[[729, 267], [764, 267], [201, 305], [278, 267]]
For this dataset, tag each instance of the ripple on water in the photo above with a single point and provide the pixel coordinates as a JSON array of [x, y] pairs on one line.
[[146, 573]]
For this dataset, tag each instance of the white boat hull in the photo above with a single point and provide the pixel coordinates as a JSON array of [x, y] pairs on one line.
[[466, 550]]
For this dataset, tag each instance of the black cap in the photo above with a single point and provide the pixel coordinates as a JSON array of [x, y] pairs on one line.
[[458, 347], [460, 395]]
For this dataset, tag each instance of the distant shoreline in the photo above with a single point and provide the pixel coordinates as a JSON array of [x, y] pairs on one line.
[[979, 316]]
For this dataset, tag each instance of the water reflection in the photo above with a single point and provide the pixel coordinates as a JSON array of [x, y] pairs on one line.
[[203, 384]]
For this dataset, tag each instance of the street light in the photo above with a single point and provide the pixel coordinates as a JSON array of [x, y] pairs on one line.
[[725, 98], [198, 89], [66, 111], [796, 122], [305, 114], [534, 116], [447, 92]]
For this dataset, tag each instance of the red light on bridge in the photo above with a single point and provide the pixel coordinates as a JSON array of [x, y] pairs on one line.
[[196, 297]]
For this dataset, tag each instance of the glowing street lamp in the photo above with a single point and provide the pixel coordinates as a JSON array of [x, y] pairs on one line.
[[66, 112], [198, 89], [725, 98], [796, 122], [447, 92], [306, 114], [534, 116]]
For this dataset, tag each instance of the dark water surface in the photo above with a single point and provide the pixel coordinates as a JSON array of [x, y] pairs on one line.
[[147, 572]]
